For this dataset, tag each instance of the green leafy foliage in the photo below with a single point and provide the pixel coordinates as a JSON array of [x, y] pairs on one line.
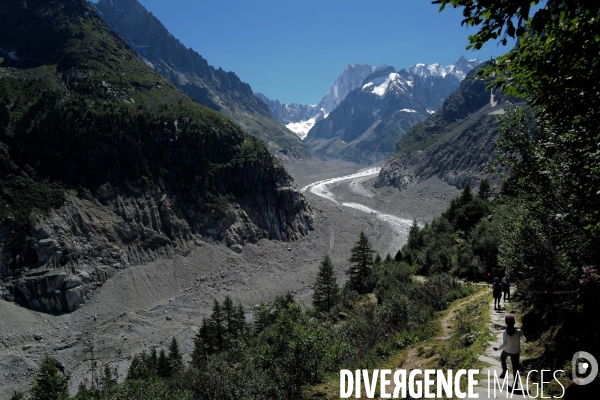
[[463, 240], [550, 245]]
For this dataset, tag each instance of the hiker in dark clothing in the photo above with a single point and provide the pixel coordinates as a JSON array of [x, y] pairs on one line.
[[506, 288], [497, 292]]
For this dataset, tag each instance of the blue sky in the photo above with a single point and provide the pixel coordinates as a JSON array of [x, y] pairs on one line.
[[293, 51]]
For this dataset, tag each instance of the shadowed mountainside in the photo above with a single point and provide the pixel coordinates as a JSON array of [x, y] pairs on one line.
[[104, 164], [190, 72]]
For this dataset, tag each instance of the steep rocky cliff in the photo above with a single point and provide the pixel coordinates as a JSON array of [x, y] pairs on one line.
[[105, 165], [455, 144], [190, 72]]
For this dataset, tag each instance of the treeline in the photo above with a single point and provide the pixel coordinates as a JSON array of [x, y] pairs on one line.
[[479, 239], [464, 240], [381, 309]]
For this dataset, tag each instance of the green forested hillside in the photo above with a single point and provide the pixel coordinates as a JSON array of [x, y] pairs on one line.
[[79, 108]]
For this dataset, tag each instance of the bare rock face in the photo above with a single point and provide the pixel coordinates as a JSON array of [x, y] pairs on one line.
[[67, 255], [455, 144]]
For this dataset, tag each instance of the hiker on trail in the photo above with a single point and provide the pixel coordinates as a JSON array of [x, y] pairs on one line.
[[506, 288], [497, 292], [511, 345]]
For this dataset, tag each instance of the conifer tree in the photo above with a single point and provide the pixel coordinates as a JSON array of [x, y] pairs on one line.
[[108, 378], [398, 256], [163, 367], [49, 383], [217, 327], [262, 317], [388, 258], [199, 354], [205, 335], [484, 190], [467, 194], [229, 316], [362, 262], [240, 317], [153, 359], [326, 289], [134, 371], [414, 236], [175, 358], [378, 259]]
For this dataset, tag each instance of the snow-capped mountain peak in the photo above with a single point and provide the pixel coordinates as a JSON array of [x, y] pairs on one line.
[[459, 69], [350, 79], [383, 84]]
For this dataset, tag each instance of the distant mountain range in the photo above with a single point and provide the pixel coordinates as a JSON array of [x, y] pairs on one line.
[[300, 118], [367, 118], [190, 72]]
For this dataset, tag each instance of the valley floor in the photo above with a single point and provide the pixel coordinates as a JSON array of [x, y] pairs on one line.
[[145, 306]]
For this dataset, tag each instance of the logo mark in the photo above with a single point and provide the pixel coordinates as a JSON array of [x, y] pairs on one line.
[[581, 367]]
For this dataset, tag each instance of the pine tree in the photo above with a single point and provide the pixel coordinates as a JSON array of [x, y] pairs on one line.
[[205, 334], [378, 259], [199, 354], [388, 258], [49, 383], [134, 371], [262, 317], [163, 367], [17, 395], [216, 326], [175, 358], [326, 289], [467, 195], [484, 190], [108, 378], [413, 241], [240, 317], [362, 262], [153, 360], [398, 256], [229, 316]]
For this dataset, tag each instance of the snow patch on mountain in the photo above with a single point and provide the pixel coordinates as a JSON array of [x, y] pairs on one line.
[[350, 79], [301, 128], [383, 84]]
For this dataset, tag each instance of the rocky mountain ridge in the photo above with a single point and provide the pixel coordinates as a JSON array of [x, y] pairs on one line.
[[300, 118], [105, 165], [366, 126], [455, 144], [190, 72]]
